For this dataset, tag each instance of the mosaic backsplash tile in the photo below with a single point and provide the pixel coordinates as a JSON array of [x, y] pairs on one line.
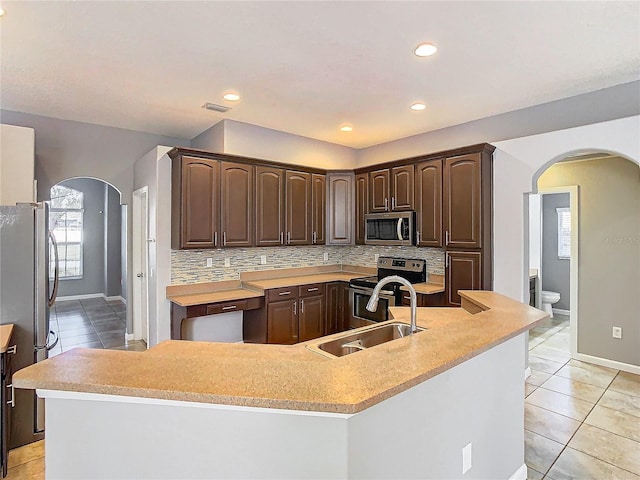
[[190, 266]]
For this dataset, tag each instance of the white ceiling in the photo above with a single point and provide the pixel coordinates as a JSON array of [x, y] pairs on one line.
[[308, 67]]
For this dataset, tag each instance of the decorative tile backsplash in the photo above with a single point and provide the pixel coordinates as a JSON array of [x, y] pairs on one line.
[[190, 266]]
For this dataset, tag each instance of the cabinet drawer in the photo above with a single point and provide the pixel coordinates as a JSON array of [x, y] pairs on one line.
[[311, 290], [226, 307], [284, 293]]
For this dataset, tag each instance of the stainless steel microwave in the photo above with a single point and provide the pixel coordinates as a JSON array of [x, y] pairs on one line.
[[394, 228]]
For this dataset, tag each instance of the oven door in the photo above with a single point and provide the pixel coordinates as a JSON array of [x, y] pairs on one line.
[[359, 316]]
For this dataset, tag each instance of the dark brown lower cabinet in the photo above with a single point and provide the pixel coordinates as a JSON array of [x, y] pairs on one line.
[[311, 318], [463, 271], [282, 322], [337, 307], [432, 300]]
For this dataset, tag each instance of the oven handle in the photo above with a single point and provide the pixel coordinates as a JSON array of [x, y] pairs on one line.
[[369, 291]]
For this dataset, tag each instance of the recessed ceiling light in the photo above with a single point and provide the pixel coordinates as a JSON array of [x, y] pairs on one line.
[[232, 97], [425, 50], [346, 128], [418, 106], [1, 11]]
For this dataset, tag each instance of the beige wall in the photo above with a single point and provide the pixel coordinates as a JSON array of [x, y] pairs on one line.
[[609, 253]]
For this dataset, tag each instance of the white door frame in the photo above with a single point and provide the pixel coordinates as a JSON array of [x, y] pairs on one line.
[[140, 261], [573, 191]]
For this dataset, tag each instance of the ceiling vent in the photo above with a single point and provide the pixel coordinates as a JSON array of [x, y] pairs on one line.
[[216, 108]]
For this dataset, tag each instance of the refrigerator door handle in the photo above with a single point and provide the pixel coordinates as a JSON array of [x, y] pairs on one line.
[[56, 270]]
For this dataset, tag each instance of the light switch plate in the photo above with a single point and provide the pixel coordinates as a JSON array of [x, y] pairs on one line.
[[617, 332], [263, 259], [227, 262], [326, 256], [209, 262]]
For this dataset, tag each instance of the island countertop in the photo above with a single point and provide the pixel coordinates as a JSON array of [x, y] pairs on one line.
[[292, 377]]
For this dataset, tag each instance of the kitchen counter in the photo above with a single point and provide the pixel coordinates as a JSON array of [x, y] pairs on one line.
[[291, 377], [433, 286], [5, 336]]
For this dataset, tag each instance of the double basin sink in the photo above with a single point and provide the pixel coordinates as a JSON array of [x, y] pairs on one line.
[[363, 339]]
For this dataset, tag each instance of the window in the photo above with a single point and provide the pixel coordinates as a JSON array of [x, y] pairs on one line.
[[564, 233], [65, 221]]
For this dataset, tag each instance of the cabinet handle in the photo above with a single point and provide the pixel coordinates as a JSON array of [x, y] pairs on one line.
[[386, 204], [407, 297], [393, 203], [215, 239], [12, 402], [313, 238], [301, 306], [312, 289], [230, 307], [12, 349], [224, 238], [281, 238], [295, 308], [284, 293], [288, 238], [446, 237], [418, 237], [446, 261]]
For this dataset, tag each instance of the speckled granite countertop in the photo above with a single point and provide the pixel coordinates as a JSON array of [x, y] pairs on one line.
[[291, 377], [5, 336]]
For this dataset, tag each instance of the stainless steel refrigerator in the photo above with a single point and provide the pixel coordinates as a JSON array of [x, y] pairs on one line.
[[26, 295]]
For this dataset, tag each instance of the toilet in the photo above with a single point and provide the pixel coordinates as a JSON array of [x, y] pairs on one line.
[[548, 299]]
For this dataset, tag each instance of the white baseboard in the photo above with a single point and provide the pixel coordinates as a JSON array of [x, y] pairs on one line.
[[604, 362], [116, 297], [561, 311], [527, 372], [520, 474], [129, 337], [79, 297]]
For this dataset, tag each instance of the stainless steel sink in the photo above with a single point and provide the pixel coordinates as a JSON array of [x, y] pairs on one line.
[[364, 339]]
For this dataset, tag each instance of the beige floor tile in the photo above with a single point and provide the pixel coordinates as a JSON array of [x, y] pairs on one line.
[[560, 403], [33, 470], [607, 446], [537, 377], [615, 422], [535, 341], [533, 474], [25, 454], [549, 424], [549, 354], [544, 365], [573, 465], [626, 383], [622, 402], [583, 391], [592, 367], [558, 342], [528, 388], [599, 379], [540, 452]]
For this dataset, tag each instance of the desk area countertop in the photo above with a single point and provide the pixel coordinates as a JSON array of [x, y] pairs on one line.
[[292, 377], [5, 336]]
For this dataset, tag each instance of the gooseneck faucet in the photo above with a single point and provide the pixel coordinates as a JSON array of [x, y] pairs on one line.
[[372, 305]]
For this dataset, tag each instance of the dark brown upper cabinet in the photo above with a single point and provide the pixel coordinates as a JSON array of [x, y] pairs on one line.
[[340, 208], [318, 209], [298, 208], [463, 202], [270, 218], [362, 205], [429, 203], [391, 189], [195, 204], [236, 204]]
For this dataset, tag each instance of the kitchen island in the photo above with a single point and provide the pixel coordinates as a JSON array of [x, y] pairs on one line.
[[403, 409]]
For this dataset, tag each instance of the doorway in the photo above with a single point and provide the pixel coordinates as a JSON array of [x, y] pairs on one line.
[[140, 256]]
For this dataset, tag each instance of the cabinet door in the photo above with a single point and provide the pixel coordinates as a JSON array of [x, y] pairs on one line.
[[318, 209], [362, 205], [340, 209], [344, 311], [236, 213], [332, 307], [311, 318], [402, 184], [298, 208], [463, 272], [269, 206], [462, 202], [429, 203], [379, 191], [195, 204], [282, 322]]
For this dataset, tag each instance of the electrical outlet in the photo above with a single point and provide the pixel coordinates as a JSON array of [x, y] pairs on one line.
[[326, 256], [227, 262], [466, 458], [375, 256], [209, 262], [263, 259], [617, 332]]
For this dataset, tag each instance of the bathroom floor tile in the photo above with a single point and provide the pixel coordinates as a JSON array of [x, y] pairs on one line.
[[599, 379], [575, 465], [559, 403], [573, 388], [540, 452], [607, 446], [626, 383], [549, 424], [614, 421], [622, 402]]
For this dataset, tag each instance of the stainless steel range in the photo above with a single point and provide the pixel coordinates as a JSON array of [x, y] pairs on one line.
[[360, 289]]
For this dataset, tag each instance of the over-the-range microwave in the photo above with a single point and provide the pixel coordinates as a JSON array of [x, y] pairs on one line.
[[394, 228]]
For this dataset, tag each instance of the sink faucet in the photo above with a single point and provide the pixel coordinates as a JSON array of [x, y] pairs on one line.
[[372, 305]]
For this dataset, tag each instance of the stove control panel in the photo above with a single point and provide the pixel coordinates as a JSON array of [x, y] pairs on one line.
[[401, 264]]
